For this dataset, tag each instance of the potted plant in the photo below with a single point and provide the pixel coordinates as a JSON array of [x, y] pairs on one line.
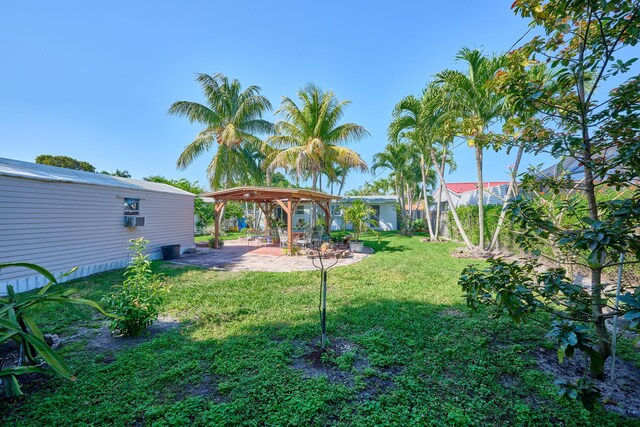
[[358, 215]]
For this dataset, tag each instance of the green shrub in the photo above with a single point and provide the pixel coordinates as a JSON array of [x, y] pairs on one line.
[[338, 236], [469, 218], [212, 242], [137, 299], [419, 224]]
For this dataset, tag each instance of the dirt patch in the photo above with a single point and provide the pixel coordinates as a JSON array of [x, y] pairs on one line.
[[101, 339], [621, 397], [207, 388], [316, 363], [341, 362]]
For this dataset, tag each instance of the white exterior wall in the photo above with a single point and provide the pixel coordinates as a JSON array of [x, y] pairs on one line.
[[60, 225], [388, 218]]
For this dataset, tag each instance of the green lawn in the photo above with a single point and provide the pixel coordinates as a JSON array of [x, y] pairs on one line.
[[227, 235], [415, 355]]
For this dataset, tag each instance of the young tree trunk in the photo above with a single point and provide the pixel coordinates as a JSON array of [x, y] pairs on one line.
[[510, 193], [454, 213], [480, 196], [597, 302], [438, 210], [432, 236]]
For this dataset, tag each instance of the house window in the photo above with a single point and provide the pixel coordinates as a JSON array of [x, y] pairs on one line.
[[336, 211], [300, 210], [131, 206]]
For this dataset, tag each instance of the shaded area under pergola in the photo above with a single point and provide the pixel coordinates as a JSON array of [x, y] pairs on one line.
[[267, 198]]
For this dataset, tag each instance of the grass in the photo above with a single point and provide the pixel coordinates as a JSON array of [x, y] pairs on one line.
[[233, 361], [227, 235]]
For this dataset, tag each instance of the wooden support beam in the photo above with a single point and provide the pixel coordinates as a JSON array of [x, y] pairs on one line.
[[283, 206], [289, 211]]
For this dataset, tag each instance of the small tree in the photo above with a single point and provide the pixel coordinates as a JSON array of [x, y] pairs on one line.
[[137, 299], [358, 214], [64, 162], [598, 140]]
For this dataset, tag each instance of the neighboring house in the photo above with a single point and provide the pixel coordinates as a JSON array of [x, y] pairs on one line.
[[384, 218], [466, 194], [63, 218], [385, 215]]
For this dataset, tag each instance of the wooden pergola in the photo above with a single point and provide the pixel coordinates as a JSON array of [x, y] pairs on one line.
[[267, 198]]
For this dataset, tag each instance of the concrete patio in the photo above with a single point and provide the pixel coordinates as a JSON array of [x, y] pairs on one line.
[[235, 255]]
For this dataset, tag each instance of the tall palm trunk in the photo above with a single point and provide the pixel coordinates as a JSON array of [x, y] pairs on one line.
[[454, 213], [480, 196], [438, 209], [424, 195], [403, 206], [510, 192]]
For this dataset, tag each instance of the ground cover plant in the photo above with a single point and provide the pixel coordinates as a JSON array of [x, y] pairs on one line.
[[404, 350]]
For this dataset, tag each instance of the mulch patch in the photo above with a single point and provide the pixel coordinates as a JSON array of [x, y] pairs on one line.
[[316, 363], [622, 397]]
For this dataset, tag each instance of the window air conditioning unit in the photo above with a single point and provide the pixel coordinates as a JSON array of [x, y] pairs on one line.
[[133, 221]]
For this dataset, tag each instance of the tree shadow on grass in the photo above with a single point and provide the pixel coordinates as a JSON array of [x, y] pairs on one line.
[[388, 361], [386, 246]]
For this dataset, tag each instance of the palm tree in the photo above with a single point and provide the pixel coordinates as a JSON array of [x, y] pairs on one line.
[[406, 123], [478, 106], [309, 141], [439, 125], [233, 120], [397, 157]]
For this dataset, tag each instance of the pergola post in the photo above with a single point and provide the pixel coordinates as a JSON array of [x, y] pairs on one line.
[[216, 223], [290, 226]]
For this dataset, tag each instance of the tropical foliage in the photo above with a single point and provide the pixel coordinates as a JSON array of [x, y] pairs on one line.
[[309, 140], [64, 162], [18, 324], [597, 136], [233, 125], [359, 215]]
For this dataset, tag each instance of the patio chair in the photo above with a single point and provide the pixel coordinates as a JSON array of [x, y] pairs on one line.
[[305, 242], [284, 238], [316, 237]]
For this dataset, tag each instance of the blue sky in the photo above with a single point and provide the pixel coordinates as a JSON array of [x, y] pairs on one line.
[[94, 80]]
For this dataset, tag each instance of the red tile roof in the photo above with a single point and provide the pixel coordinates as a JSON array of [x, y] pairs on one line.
[[463, 187]]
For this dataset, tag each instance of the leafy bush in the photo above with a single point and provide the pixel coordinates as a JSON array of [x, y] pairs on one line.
[[212, 242], [469, 218], [419, 224], [137, 299], [17, 324], [338, 236]]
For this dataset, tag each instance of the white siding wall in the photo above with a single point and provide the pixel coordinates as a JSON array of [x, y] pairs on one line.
[[61, 225], [388, 218]]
